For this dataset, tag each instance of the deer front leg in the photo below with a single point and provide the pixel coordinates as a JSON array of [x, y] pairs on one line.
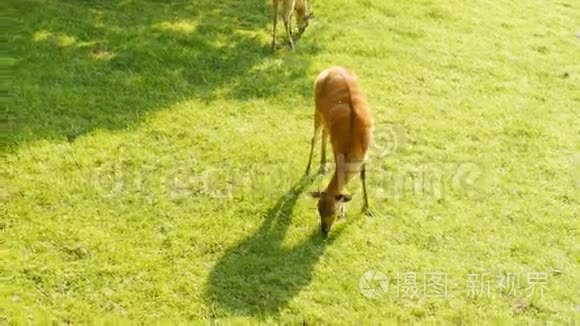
[[366, 208], [288, 30]]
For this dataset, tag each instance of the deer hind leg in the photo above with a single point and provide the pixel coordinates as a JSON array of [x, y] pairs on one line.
[[317, 126], [289, 31], [366, 208], [323, 166]]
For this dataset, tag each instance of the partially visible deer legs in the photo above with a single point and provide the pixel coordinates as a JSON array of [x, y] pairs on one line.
[[363, 179], [317, 127], [323, 167], [287, 25]]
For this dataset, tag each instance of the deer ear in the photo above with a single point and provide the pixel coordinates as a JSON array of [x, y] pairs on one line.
[[344, 198], [316, 194]]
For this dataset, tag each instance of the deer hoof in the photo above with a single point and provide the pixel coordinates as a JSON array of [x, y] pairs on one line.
[[368, 212], [323, 170]]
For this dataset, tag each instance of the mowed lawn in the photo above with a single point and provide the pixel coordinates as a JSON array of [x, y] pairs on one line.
[[154, 151]]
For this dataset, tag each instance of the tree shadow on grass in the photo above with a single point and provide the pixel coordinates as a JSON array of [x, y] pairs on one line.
[[258, 277], [83, 65]]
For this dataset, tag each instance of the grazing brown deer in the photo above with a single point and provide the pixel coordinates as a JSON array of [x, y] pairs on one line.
[[303, 15], [341, 111]]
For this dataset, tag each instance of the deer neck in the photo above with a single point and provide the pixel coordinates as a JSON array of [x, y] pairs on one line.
[[341, 175], [335, 186], [344, 171]]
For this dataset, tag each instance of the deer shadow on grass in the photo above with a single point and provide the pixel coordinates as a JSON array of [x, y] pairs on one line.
[[86, 65], [258, 277]]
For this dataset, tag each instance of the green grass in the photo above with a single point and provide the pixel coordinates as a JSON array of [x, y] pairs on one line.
[[154, 151]]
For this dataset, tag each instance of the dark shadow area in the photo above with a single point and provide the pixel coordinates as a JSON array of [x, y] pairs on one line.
[[82, 65], [258, 277]]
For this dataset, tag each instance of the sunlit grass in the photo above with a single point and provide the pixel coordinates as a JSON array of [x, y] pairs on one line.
[[155, 149]]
